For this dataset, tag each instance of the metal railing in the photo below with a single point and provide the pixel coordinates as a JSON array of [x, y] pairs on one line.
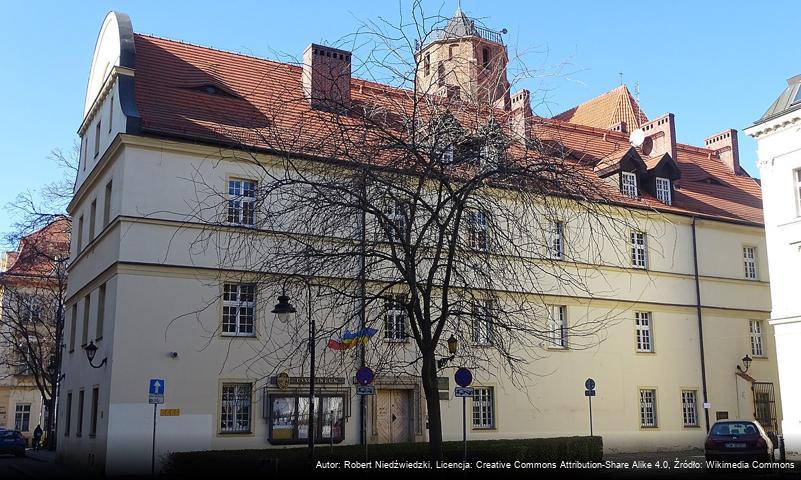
[[488, 34]]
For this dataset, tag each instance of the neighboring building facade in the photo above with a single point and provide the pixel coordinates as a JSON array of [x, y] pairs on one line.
[[153, 113], [778, 135], [29, 292]]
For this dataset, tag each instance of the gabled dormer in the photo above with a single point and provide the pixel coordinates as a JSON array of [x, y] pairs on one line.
[[624, 169], [663, 171]]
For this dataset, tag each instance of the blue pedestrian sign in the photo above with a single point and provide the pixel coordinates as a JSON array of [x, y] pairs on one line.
[[156, 390], [589, 384], [463, 377]]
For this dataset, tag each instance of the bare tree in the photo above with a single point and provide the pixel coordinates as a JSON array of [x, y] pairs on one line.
[[421, 208], [33, 285]]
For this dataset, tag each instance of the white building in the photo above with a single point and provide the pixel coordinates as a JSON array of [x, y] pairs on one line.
[[157, 112], [778, 134]]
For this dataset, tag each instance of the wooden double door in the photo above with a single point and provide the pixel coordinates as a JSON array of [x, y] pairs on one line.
[[394, 419]]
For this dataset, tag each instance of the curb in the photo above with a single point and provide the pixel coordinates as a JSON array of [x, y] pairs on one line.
[[20, 470]]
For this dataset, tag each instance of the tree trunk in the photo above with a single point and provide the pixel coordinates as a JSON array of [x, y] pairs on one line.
[[430, 387]]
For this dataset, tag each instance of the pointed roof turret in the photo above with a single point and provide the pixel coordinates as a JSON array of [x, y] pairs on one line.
[[607, 111]]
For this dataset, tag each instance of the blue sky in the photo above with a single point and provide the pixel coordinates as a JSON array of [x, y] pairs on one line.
[[714, 64]]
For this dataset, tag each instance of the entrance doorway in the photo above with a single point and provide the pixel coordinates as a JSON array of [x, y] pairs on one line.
[[393, 409]]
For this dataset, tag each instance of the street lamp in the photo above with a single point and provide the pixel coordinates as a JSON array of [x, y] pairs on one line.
[[284, 310], [453, 345], [746, 362], [91, 350]]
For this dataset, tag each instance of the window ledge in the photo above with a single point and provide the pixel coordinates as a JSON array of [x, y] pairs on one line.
[[647, 352], [239, 335], [235, 433], [396, 340], [692, 427]]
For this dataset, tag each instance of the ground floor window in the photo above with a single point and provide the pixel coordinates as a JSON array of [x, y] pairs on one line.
[[236, 408], [689, 408], [22, 417], [648, 408], [289, 419], [483, 407]]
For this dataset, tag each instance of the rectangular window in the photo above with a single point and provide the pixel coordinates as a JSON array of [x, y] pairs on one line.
[[107, 204], [628, 184], [440, 74], [395, 318], [22, 417], [482, 322], [98, 129], [689, 408], [93, 418], [110, 112], [648, 408], [79, 423], [556, 241], [757, 345], [447, 156], [236, 408], [239, 306], [87, 303], [645, 341], [289, 419], [557, 326], [68, 415], [663, 193], [84, 155], [639, 258], [479, 231], [80, 234], [242, 202], [395, 212], [488, 155], [427, 64], [749, 261], [797, 182], [101, 311], [92, 216], [483, 407], [73, 325]]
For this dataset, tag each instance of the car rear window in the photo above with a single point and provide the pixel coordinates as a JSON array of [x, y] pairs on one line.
[[7, 434], [734, 428]]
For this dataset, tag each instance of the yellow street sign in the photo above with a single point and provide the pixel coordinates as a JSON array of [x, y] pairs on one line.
[[170, 412]]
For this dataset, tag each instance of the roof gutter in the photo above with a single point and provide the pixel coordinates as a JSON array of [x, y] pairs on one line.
[[700, 326]]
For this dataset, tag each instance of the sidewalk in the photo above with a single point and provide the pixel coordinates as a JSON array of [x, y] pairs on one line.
[[42, 464]]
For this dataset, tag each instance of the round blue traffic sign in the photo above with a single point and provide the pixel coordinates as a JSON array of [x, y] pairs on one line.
[[463, 377], [590, 384], [364, 376]]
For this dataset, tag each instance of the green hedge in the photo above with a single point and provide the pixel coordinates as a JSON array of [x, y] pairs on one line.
[[181, 464]]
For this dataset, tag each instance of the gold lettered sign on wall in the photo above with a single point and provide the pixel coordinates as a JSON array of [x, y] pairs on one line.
[[170, 412]]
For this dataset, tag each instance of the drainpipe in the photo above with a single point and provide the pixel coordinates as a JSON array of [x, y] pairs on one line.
[[700, 325], [363, 308]]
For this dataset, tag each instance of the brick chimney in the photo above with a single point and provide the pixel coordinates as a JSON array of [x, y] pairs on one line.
[[521, 112], [660, 136], [725, 145], [326, 78]]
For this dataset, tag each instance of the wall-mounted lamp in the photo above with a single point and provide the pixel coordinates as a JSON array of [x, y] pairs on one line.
[[91, 350], [746, 363]]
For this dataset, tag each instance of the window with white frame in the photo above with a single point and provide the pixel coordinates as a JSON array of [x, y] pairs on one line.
[[557, 326], [483, 407], [479, 231], [797, 183], [647, 408], [645, 338], [22, 417], [395, 318], [689, 408], [639, 257], [663, 192], [239, 306], [757, 343], [628, 184], [242, 202], [482, 322], [749, 262], [235, 412], [447, 156], [556, 241], [488, 155], [395, 213]]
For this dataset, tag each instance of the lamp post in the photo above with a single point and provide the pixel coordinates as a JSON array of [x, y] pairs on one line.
[[453, 345], [746, 363], [91, 350], [284, 310]]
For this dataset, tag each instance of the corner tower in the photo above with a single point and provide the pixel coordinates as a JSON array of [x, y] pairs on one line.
[[465, 61]]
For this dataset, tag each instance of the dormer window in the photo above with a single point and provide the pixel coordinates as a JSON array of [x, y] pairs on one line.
[[628, 184], [663, 191], [447, 156]]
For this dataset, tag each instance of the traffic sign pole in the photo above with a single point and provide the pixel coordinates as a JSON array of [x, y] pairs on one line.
[[589, 393], [464, 426], [153, 451], [463, 377], [590, 397]]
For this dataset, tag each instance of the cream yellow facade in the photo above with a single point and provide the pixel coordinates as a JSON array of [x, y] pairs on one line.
[[161, 298]]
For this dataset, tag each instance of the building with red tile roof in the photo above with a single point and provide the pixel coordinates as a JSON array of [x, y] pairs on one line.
[[168, 123]]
